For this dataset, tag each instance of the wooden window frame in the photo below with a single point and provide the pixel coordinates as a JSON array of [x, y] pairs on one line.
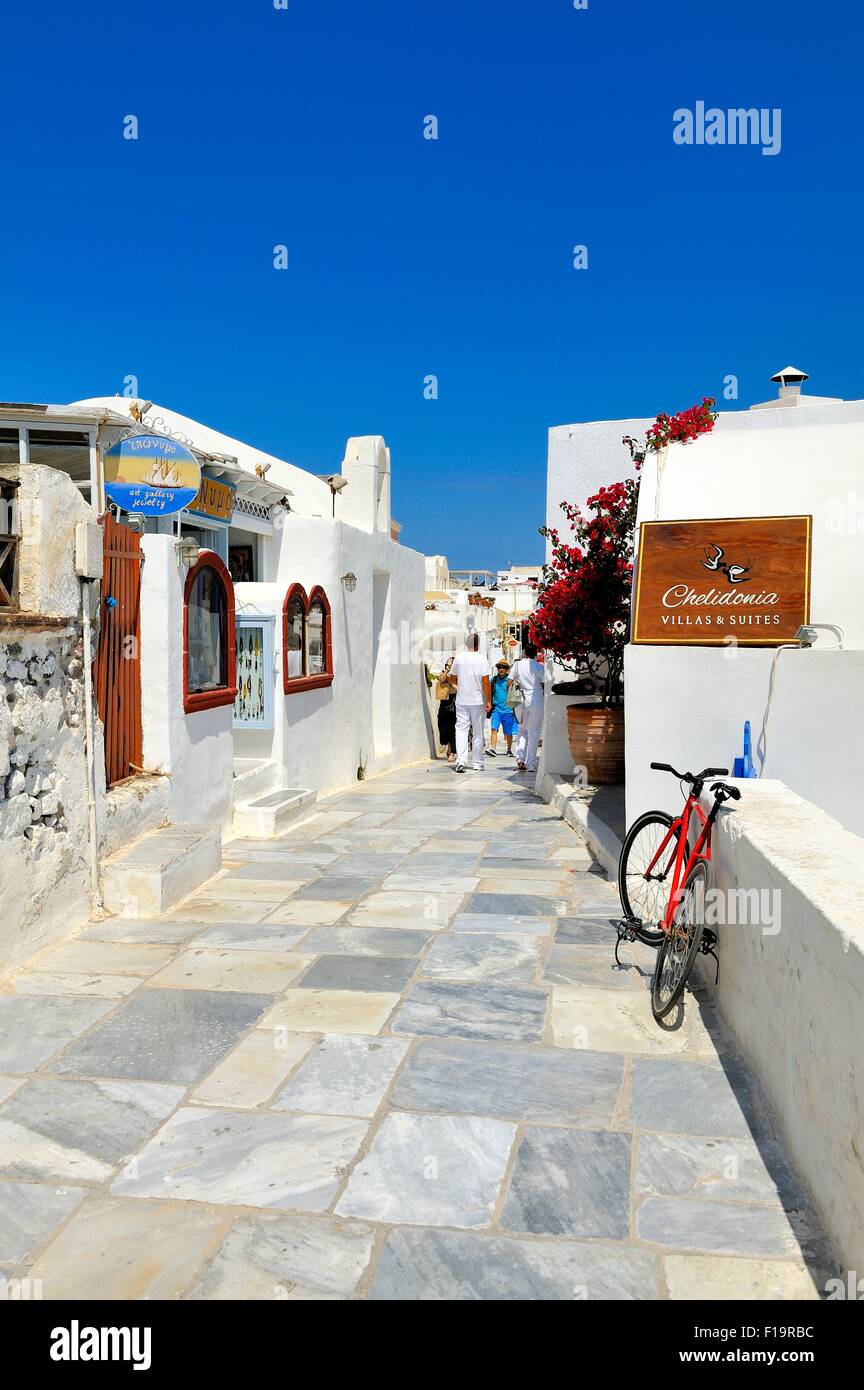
[[293, 685], [196, 700]]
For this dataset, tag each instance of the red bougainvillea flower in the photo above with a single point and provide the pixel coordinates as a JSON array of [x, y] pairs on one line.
[[583, 616]]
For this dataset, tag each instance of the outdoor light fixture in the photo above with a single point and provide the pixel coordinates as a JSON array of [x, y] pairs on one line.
[[350, 581], [808, 633], [135, 522], [187, 551]]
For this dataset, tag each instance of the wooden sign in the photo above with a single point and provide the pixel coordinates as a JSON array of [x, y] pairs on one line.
[[706, 583], [215, 499]]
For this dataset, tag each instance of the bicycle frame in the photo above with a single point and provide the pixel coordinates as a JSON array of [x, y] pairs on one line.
[[701, 852]]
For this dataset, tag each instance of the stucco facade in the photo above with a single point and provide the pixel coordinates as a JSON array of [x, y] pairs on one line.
[[688, 704]]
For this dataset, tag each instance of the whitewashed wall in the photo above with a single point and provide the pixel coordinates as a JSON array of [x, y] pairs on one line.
[[321, 736], [695, 699], [687, 706], [791, 987], [195, 750]]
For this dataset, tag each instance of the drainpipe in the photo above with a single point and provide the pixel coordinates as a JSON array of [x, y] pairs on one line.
[[89, 740], [88, 567]]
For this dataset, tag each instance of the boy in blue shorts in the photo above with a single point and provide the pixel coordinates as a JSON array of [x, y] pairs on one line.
[[502, 715]]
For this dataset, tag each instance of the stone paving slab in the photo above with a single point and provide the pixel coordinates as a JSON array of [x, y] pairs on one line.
[[473, 1011], [29, 1212], [344, 1075], [250, 1159], [289, 1258], [332, 1011], [511, 1082], [33, 1028], [370, 973], [499, 958], [367, 941], [569, 1182], [431, 1265], [168, 1035], [115, 1249], [431, 1169], [80, 1130], [386, 1054]]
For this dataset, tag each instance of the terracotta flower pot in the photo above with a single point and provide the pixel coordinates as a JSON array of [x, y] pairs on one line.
[[596, 739]]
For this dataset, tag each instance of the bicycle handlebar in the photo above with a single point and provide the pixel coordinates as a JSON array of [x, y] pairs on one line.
[[720, 787], [688, 776]]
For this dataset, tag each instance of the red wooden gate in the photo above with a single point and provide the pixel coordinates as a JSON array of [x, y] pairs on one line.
[[117, 668]]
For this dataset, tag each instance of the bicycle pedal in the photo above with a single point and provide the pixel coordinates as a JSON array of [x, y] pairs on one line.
[[627, 927]]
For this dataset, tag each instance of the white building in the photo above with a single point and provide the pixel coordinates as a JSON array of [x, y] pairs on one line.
[[495, 605], [795, 454], [788, 857], [220, 703]]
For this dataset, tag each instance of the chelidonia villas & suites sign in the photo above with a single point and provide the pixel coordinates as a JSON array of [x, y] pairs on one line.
[[708, 582]]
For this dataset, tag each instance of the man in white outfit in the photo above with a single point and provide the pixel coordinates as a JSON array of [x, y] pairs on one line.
[[529, 674], [470, 670]]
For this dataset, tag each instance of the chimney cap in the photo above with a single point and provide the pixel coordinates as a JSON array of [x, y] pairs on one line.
[[789, 374]]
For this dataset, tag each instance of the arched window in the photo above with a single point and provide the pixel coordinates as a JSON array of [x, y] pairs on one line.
[[307, 646], [209, 640]]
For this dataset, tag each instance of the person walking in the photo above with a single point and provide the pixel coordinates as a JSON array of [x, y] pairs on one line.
[[529, 673], [446, 692], [502, 715], [473, 702]]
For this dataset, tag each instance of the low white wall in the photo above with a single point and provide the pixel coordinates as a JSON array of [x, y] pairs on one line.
[[195, 750], [687, 706], [793, 997]]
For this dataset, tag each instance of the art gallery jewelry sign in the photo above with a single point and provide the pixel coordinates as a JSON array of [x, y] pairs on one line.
[[151, 475], [708, 582]]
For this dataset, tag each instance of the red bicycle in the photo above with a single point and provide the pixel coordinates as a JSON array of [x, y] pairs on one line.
[[663, 879]]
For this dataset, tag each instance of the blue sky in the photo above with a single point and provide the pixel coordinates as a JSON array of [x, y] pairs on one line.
[[410, 257]]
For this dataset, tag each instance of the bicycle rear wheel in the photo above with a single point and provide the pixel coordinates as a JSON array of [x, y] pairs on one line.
[[678, 951], [645, 900]]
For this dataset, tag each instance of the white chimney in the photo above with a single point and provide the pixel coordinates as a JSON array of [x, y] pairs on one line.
[[790, 380]]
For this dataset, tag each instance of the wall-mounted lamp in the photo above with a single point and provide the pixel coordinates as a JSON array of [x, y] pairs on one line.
[[186, 550], [808, 633], [350, 581]]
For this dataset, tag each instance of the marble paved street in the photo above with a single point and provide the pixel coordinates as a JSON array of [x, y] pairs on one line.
[[386, 1056]]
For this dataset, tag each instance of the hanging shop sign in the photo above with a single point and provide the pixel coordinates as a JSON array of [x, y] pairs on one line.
[[712, 583], [215, 500], [151, 475]]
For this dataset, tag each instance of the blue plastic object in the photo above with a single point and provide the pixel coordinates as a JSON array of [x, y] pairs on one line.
[[110, 603], [743, 767]]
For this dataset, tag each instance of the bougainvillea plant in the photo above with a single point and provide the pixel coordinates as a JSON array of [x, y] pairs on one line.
[[583, 613]]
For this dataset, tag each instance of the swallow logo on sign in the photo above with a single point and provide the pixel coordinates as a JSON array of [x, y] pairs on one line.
[[736, 574]]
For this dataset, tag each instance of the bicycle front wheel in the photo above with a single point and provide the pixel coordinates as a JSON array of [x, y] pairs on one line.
[[644, 896], [678, 952]]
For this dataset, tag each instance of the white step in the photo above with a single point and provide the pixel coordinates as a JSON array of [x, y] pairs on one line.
[[155, 872], [253, 777], [268, 815]]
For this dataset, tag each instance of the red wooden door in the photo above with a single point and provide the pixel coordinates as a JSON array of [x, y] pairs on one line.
[[117, 668]]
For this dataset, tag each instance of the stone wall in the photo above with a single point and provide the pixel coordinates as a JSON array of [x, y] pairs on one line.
[[44, 873], [43, 798]]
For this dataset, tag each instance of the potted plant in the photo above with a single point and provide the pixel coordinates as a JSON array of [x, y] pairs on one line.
[[583, 614]]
